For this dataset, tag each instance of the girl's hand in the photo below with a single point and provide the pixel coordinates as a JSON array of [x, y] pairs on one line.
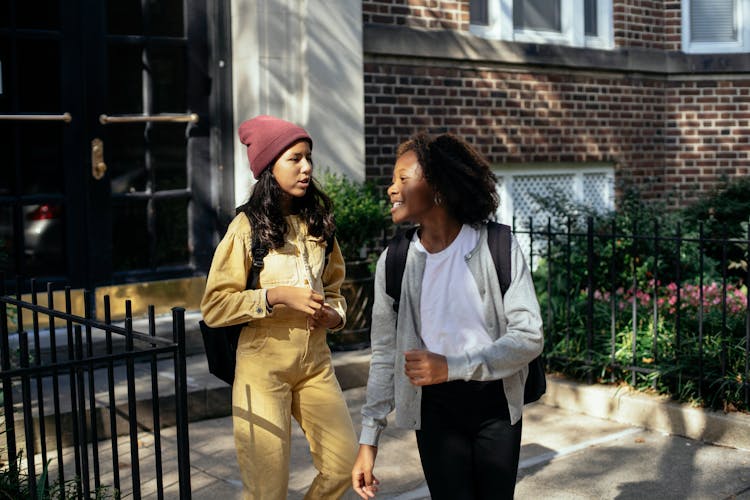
[[364, 482], [299, 298], [325, 317], [425, 368]]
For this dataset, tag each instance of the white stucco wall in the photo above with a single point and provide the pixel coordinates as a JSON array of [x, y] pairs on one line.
[[301, 60]]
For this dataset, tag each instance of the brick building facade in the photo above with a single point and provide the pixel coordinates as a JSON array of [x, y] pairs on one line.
[[670, 122]]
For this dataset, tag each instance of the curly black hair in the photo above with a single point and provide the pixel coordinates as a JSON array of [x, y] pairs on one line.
[[461, 178], [263, 209]]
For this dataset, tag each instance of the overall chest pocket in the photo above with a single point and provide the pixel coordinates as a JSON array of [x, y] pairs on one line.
[[280, 267]]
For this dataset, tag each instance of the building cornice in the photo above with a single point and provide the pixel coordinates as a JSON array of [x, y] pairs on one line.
[[407, 42]]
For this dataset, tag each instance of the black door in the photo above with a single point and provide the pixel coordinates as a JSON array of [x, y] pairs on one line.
[[103, 134]]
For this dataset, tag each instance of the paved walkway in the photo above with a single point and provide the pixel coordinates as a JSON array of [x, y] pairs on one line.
[[586, 442], [564, 455]]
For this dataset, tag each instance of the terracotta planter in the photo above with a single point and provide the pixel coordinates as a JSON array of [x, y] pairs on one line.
[[358, 289]]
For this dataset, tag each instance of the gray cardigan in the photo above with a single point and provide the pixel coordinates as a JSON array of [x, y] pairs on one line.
[[514, 324]]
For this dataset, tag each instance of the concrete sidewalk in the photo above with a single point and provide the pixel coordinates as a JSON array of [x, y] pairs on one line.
[[586, 442], [580, 442], [564, 455]]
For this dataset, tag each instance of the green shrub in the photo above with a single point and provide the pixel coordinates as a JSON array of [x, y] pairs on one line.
[[361, 215], [725, 213], [634, 288]]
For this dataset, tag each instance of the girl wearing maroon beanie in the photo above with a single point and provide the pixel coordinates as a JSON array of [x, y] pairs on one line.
[[284, 365]]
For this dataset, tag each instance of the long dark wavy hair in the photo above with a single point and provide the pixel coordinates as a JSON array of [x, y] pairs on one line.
[[462, 179], [266, 218]]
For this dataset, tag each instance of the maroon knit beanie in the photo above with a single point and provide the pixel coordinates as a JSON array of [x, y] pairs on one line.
[[266, 137]]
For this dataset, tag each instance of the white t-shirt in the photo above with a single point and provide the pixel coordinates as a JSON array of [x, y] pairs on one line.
[[451, 308]]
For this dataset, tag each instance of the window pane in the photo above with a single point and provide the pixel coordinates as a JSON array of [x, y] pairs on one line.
[[154, 17], [41, 154], [125, 152], [713, 21], [130, 242], [8, 148], [4, 13], [172, 232], [478, 12], [44, 235], [125, 87], [5, 90], [169, 156], [39, 76], [6, 239], [543, 15], [168, 79], [39, 14], [590, 17], [165, 18], [124, 17]]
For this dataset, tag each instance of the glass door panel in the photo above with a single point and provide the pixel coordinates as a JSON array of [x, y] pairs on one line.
[[33, 193], [148, 162], [131, 239], [172, 231]]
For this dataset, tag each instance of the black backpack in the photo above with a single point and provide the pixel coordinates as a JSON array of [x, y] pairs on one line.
[[498, 239]]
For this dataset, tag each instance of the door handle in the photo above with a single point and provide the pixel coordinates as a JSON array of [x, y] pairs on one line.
[[185, 118], [65, 117], [98, 167]]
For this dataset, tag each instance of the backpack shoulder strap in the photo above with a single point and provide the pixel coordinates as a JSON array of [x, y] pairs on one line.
[[395, 262], [329, 245], [258, 252], [498, 239]]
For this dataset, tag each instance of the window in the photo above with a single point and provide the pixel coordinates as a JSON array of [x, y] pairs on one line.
[[522, 189], [579, 23], [715, 26]]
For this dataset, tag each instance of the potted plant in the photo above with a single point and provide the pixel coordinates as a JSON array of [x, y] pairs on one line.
[[361, 216]]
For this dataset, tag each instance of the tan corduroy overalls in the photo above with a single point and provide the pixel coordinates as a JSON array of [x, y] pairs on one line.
[[284, 368]]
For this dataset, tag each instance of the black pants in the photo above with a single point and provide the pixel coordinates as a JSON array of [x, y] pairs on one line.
[[467, 446]]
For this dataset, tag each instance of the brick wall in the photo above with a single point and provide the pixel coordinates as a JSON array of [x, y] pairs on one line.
[[671, 139], [707, 134], [432, 14], [519, 117], [639, 23]]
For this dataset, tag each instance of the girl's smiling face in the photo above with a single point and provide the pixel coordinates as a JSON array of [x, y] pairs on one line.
[[293, 169], [411, 196]]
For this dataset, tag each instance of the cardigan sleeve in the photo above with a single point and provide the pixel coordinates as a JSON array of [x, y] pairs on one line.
[[380, 399]]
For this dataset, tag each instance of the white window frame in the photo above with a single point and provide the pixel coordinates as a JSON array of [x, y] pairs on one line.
[[507, 174], [742, 13], [572, 32]]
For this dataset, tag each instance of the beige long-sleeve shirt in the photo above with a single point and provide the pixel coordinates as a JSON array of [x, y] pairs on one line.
[[300, 262]]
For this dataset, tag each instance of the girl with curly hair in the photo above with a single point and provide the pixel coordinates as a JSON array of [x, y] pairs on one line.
[[452, 358]]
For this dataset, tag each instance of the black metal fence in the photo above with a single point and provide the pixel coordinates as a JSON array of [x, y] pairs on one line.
[[81, 406], [652, 307]]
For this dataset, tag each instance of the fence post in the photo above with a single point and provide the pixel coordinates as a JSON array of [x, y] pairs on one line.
[[747, 320], [634, 304], [590, 298], [613, 304], [655, 297], [10, 429], [550, 323], [700, 310], [183, 442]]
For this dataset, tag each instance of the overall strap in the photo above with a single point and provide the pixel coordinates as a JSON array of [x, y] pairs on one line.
[[395, 262]]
